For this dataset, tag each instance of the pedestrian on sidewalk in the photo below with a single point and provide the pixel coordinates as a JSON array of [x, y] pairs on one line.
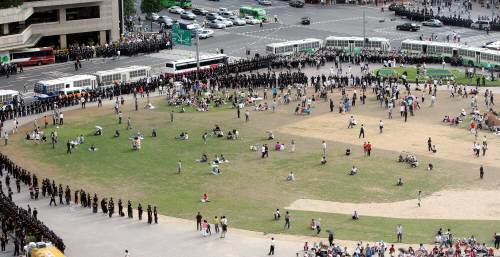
[[271, 247]]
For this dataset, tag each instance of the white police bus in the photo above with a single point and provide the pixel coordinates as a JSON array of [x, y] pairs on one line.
[[127, 74], [53, 87], [296, 46], [355, 44]]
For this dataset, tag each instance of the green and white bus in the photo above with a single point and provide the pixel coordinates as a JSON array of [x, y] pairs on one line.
[[471, 56], [258, 13], [355, 44], [296, 46], [181, 3]]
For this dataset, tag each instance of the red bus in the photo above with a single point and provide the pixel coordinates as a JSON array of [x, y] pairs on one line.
[[33, 56]]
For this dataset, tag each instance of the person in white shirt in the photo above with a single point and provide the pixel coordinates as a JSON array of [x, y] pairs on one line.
[[323, 147], [381, 126]]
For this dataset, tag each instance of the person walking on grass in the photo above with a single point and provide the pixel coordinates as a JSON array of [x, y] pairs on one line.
[[323, 147], [287, 220], [419, 198], [381, 126], [481, 172], [247, 116], [399, 233], [179, 167]]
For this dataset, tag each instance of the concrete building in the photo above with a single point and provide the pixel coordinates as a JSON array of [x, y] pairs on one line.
[[59, 23]]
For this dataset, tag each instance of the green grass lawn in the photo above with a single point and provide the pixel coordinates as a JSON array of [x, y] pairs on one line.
[[250, 188], [412, 73]]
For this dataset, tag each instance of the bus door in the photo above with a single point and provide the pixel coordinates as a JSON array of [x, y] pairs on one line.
[[424, 49], [478, 58], [351, 46], [295, 48], [124, 77], [455, 52]]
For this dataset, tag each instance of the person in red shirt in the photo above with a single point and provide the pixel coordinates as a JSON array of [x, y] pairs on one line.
[[368, 148]]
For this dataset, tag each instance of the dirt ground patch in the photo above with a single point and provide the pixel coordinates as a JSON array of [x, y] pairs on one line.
[[452, 143], [447, 204]]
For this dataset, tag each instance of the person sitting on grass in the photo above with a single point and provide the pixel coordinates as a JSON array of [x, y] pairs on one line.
[[81, 139], [353, 171], [290, 177], [323, 160], [355, 215], [400, 182], [277, 146], [430, 167], [313, 224], [204, 158], [222, 159], [348, 151], [93, 148], [183, 136], [153, 133], [433, 149], [214, 169], [204, 198], [270, 135], [117, 134], [98, 131]]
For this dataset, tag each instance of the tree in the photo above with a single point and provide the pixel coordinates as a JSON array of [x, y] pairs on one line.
[[129, 7], [150, 6]]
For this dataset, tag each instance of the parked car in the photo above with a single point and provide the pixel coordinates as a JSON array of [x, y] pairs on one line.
[[251, 20], [175, 9], [226, 22], [200, 11], [226, 14], [216, 24], [213, 16], [264, 2], [305, 21], [205, 33], [188, 15], [152, 16], [432, 23], [237, 20], [480, 25], [166, 20], [297, 3], [221, 10], [395, 6], [408, 27]]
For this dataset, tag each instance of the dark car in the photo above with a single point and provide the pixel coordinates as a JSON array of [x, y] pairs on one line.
[[200, 11], [305, 21], [395, 6], [296, 3], [408, 27], [212, 16]]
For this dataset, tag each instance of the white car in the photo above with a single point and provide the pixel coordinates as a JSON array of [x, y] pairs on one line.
[[251, 20], [237, 21], [205, 33], [221, 10], [216, 24], [225, 21], [152, 16], [175, 9]]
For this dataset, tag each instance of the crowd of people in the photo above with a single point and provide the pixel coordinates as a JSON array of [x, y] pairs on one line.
[[128, 46], [18, 222]]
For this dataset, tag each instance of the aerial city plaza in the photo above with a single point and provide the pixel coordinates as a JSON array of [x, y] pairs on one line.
[[188, 128]]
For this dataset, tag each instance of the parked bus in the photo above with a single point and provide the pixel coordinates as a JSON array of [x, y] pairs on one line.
[[471, 56], [53, 87], [7, 96], [33, 56], [355, 44], [258, 13], [296, 46], [207, 61], [181, 3], [127, 74]]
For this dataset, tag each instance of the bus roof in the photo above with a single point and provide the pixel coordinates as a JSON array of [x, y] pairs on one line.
[[8, 92], [295, 42], [247, 7], [24, 50], [381, 39], [123, 69], [430, 43], [66, 79]]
